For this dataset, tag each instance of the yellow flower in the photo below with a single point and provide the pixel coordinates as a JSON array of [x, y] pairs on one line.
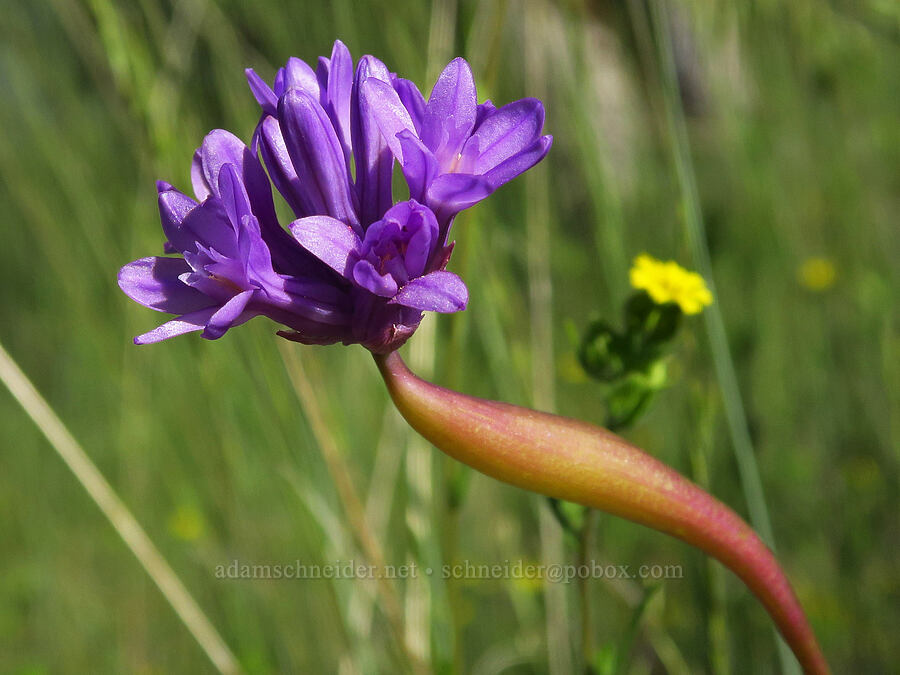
[[186, 523], [817, 274], [670, 282]]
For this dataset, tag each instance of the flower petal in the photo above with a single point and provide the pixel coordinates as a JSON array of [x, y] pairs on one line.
[[418, 249], [365, 274], [450, 112], [484, 111], [507, 132], [412, 100], [327, 305], [317, 336], [374, 160], [183, 324], [174, 207], [233, 195], [262, 92], [227, 316], [419, 165], [317, 156], [281, 169], [422, 230], [519, 163], [299, 75], [201, 187], [219, 147], [391, 116], [278, 83], [153, 282], [305, 315], [454, 192], [321, 293], [208, 225], [435, 292], [336, 97], [330, 240], [255, 254]]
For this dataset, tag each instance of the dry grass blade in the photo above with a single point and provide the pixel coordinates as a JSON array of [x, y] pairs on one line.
[[118, 514]]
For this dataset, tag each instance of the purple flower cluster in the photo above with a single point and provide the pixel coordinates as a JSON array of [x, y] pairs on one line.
[[354, 267]]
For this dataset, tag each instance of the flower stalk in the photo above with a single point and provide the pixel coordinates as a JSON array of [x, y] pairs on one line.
[[576, 461]]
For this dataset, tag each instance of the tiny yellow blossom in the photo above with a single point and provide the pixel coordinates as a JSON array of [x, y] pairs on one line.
[[186, 523], [817, 274], [670, 282], [534, 584]]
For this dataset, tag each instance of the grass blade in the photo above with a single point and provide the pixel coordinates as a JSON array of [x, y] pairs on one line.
[[125, 524], [748, 469]]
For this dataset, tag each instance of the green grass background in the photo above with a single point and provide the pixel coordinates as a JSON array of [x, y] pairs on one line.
[[792, 113]]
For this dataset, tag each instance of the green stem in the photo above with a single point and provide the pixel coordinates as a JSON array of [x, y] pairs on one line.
[[585, 545], [627, 643], [716, 626]]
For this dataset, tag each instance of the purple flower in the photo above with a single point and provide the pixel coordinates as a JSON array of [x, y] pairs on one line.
[[453, 151], [226, 274], [314, 124], [358, 268], [396, 270]]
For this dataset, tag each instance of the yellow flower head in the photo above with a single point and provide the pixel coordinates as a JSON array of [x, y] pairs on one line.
[[186, 523], [670, 282], [817, 274]]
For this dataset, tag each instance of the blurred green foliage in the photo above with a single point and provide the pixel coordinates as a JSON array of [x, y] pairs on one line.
[[792, 110]]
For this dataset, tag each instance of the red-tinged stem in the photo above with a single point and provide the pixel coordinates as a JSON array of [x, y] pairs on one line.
[[572, 460]]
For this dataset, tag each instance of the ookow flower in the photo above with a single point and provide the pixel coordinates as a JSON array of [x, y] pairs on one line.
[[396, 269], [453, 151], [327, 284], [669, 282], [314, 124], [225, 274]]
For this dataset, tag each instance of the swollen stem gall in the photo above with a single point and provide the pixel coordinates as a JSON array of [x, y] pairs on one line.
[[576, 461]]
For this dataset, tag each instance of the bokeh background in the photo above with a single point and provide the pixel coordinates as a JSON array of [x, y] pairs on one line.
[[791, 117]]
